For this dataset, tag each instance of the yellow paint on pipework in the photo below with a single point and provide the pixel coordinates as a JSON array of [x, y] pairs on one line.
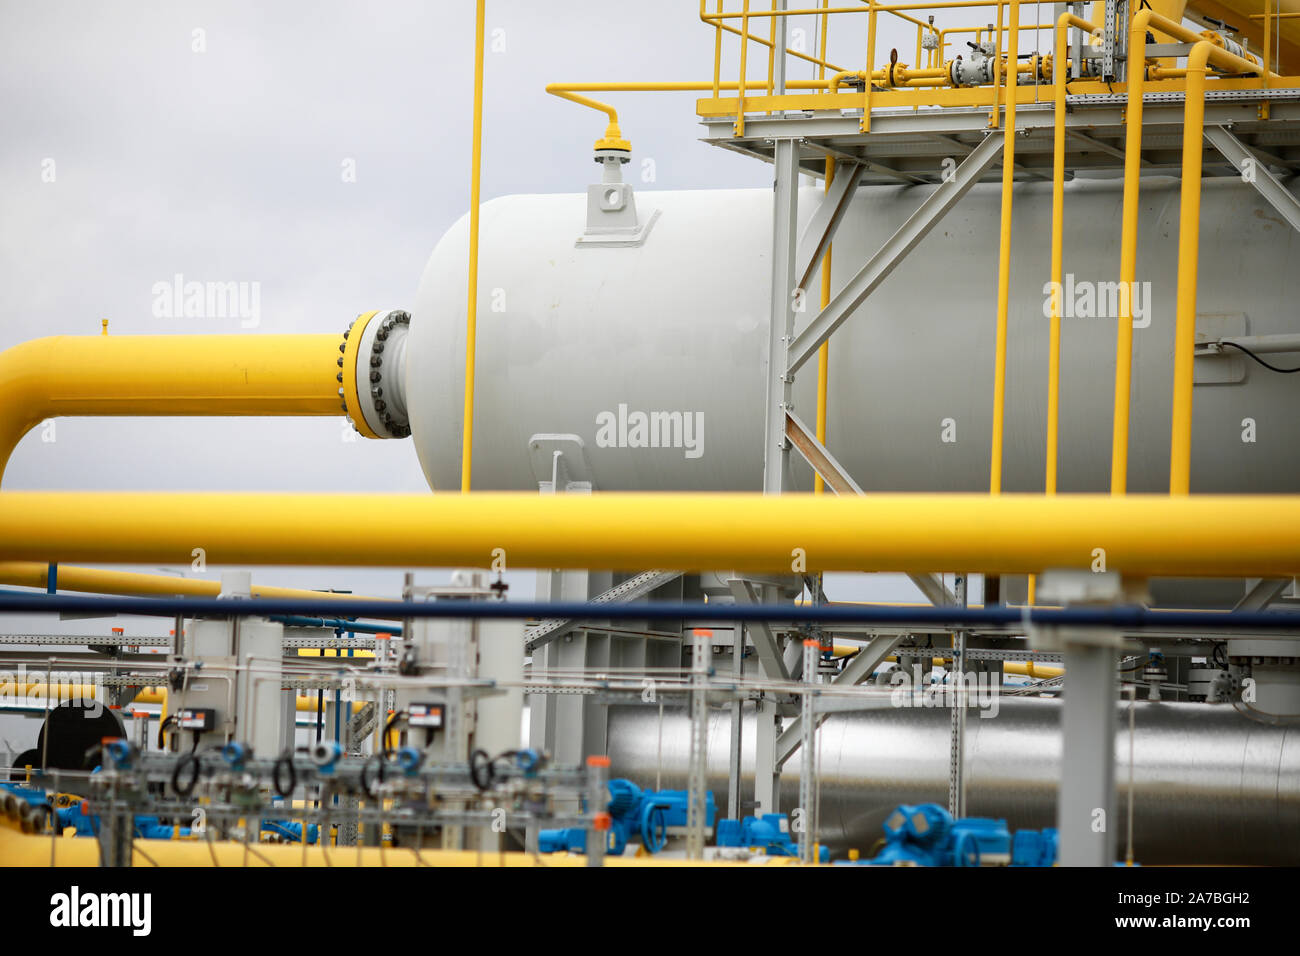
[[34, 574], [164, 375], [1219, 535]]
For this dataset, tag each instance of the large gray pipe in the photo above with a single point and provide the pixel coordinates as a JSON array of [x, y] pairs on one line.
[[1210, 786]]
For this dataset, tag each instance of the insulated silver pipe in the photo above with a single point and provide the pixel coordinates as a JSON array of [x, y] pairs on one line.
[[1210, 785]]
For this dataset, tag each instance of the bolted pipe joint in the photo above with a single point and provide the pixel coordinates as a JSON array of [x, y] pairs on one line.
[[372, 380]]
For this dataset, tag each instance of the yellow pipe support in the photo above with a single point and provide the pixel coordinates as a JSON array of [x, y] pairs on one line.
[[33, 574], [471, 301], [1004, 255], [167, 375], [1218, 535]]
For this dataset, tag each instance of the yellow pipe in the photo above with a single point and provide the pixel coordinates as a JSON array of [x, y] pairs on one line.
[[471, 302], [1059, 70], [1189, 226], [33, 574], [164, 375], [1030, 669], [1221, 535], [41, 850], [1004, 254], [824, 353]]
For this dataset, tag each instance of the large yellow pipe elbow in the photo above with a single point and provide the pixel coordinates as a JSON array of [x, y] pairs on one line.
[[165, 375]]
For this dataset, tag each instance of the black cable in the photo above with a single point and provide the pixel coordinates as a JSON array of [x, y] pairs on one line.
[[162, 725], [365, 785], [1273, 368], [185, 791], [479, 760], [285, 760]]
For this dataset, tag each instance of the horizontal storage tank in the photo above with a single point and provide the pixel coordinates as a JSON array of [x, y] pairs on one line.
[[573, 338], [1210, 786]]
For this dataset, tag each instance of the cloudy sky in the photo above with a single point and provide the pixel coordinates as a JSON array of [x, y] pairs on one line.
[[318, 149]]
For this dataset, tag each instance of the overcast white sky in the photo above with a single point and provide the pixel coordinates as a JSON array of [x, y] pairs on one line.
[[225, 164]]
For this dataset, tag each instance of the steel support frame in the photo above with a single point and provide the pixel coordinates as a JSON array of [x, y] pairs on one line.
[[931, 210], [856, 671], [1238, 153], [841, 482], [776, 448]]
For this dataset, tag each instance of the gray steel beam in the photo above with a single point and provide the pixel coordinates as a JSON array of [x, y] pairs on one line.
[[822, 461], [544, 632], [1086, 802], [760, 632], [785, 211], [855, 672], [826, 220], [1237, 153], [1262, 593], [932, 209], [841, 482]]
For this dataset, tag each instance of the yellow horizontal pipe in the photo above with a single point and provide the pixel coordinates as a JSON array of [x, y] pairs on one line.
[[1030, 669], [34, 574], [20, 849], [1217, 535], [164, 375]]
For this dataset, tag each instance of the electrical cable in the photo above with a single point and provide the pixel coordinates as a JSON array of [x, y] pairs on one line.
[[285, 760], [162, 725], [189, 759], [1273, 368], [480, 761]]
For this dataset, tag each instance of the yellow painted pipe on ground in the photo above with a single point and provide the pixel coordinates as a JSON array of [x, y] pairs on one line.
[[164, 375], [1211, 535], [34, 850]]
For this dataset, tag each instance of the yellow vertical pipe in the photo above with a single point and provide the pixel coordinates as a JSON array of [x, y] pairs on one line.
[[824, 353], [1004, 255], [1189, 232], [1128, 253], [471, 312]]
